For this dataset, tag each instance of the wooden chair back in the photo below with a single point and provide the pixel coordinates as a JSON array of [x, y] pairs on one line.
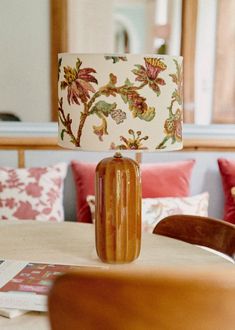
[[148, 299], [213, 233]]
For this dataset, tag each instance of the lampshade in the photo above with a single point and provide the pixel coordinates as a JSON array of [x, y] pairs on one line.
[[120, 102]]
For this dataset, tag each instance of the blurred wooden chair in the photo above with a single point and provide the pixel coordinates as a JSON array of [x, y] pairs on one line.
[[168, 298], [212, 233]]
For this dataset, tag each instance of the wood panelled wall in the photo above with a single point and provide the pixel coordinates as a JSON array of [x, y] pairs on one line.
[[224, 89], [188, 45]]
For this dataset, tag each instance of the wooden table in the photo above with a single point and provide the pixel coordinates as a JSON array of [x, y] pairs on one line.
[[74, 243]]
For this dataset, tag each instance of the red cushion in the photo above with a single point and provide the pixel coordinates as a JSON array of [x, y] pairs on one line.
[[158, 180], [166, 179], [84, 176], [227, 171]]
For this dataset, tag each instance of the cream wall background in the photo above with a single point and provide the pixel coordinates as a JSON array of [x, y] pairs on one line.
[[25, 59], [25, 50], [90, 26]]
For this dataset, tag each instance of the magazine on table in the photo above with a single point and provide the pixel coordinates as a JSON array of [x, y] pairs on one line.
[[24, 285]]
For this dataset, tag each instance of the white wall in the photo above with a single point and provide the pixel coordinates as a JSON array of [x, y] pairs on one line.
[[205, 60], [25, 59], [90, 26]]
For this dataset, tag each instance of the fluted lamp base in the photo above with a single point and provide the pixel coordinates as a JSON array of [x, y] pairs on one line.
[[118, 209]]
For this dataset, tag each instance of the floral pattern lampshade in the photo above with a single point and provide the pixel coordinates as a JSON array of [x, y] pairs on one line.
[[128, 102]]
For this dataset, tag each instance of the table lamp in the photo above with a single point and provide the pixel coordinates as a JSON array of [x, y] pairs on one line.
[[119, 103]]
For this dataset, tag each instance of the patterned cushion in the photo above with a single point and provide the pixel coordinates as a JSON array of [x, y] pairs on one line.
[[32, 193], [155, 209]]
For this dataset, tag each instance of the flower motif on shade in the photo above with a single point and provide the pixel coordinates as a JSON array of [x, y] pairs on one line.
[[173, 124], [150, 74], [177, 78], [172, 129], [78, 83], [118, 115], [131, 143], [101, 129]]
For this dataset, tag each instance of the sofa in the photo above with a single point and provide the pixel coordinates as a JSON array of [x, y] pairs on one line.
[[205, 174]]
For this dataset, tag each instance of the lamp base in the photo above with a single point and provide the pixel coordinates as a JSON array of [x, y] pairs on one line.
[[118, 209]]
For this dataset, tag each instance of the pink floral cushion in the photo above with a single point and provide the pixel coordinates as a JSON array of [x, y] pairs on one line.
[[155, 209], [32, 193]]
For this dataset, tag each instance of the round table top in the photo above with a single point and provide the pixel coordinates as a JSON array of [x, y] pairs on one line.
[[74, 243]]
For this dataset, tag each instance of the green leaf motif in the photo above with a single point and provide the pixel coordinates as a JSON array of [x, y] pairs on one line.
[[124, 98], [139, 66], [116, 59], [62, 134], [177, 66], [78, 63], [103, 107], [162, 144], [128, 83]]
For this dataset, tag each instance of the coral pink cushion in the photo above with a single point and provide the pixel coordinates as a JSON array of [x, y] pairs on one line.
[[166, 179], [158, 180], [227, 171], [32, 193], [84, 176]]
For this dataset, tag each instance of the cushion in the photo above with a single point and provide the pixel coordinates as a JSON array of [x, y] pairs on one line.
[[227, 171], [155, 209], [170, 179], [32, 193], [84, 176]]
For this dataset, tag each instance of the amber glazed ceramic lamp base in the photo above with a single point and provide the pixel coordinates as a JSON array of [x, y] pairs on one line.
[[118, 209]]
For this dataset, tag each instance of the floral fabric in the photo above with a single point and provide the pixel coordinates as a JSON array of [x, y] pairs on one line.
[[131, 102], [155, 209], [33, 193]]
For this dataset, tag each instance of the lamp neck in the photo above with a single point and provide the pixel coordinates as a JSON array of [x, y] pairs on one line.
[[117, 155]]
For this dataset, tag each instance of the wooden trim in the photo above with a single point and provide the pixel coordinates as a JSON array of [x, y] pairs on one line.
[[17, 143], [21, 158], [209, 145], [188, 51], [224, 79], [59, 43]]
